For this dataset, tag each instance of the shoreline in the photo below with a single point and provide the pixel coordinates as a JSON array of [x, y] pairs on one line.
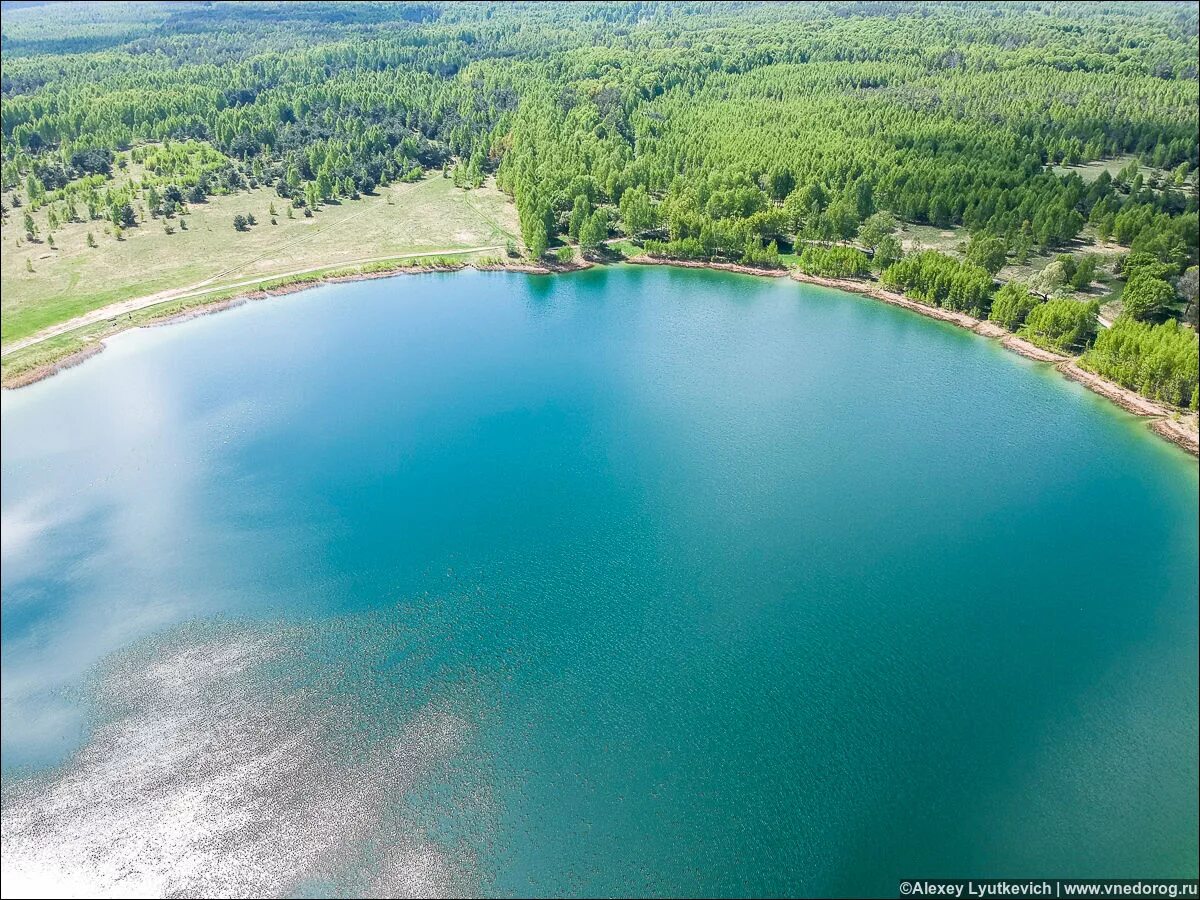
[[644, 260], [1176, 426], [45, 370], [182, 309]]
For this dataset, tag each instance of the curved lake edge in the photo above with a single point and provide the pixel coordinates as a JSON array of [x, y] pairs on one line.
[[1163, 420], [740, 553]]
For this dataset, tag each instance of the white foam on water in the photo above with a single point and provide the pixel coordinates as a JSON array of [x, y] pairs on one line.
[[209, 783]]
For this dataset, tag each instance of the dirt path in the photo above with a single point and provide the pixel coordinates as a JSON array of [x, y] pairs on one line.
[[124, 307]]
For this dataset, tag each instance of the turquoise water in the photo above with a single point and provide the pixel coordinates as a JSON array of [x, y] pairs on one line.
[[665, 581]]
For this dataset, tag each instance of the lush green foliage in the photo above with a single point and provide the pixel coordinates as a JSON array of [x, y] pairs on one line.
[[707, 131], [887, 251], [1147, 297], [988, 252], [1149, 294], [1078, 272], [1159, 361], [1012, 304], [876, 229], [730, 125], [834, 262], [940, 280], [1067, 326]]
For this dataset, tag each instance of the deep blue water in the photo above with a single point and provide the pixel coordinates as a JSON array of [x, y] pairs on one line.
[[712, 585]]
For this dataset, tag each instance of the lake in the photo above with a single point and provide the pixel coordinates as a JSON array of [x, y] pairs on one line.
[[632, 580]]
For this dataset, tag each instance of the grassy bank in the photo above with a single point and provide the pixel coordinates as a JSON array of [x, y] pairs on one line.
[[45, 285], [50, 356], [46, 357]]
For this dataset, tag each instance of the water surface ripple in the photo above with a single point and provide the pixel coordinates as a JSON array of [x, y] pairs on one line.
[[632, 581]]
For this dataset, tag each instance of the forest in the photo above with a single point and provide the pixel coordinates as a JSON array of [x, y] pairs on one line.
[[764, 134]]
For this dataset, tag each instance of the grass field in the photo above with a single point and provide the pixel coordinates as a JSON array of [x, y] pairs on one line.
[[928, 237], [953, 241], [73, 278], [1090, 171]]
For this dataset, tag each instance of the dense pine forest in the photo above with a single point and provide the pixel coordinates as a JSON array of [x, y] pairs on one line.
[[808, 135]]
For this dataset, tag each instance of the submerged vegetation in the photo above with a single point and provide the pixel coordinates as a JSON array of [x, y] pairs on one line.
[[760, 134]]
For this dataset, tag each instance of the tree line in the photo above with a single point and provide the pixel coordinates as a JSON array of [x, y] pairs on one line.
[[747, 132]]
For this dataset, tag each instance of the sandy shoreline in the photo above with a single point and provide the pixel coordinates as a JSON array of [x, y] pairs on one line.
[[1178, 427], [644, 260], [1182, 433]]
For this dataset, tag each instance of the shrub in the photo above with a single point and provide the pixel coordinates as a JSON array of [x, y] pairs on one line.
[[834, 262], [1063, 325], [1012, 303], [940, 280]]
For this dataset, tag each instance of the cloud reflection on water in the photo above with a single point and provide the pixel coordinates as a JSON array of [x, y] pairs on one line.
[[226, 766]]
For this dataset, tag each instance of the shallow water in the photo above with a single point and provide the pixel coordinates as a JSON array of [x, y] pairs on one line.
[[634, 580]]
